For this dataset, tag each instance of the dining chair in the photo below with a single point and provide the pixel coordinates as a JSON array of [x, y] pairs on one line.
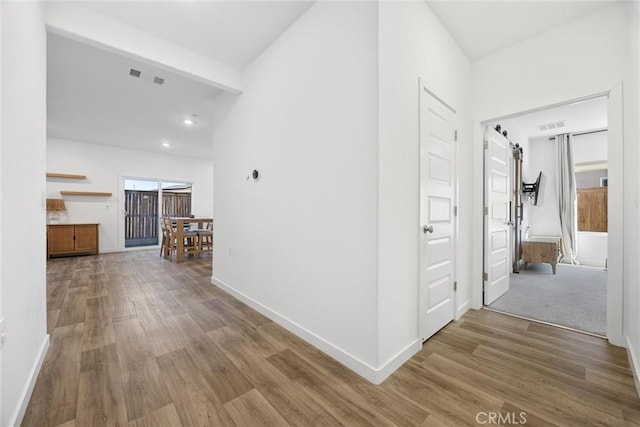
[[205, 238], [190, 240], [164, 245]]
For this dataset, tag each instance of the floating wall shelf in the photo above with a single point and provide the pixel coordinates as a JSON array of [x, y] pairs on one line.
[[65, 175], [85, 193]]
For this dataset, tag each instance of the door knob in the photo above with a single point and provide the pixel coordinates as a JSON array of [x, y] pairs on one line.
[[427, 229]]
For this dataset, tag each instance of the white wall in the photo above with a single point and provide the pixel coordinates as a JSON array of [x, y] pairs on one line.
[[1, 243], [412, 44], [22, 229], [591, 147], [592, 248], [104, 167], [525, 76], [543, 220], [632, 181], [300, 244]]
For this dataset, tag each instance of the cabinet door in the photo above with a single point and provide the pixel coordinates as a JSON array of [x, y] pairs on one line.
[[86, 237], [61, 239]]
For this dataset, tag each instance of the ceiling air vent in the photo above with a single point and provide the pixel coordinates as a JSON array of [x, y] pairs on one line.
[[158, 80], [134, 73], [552, 125]]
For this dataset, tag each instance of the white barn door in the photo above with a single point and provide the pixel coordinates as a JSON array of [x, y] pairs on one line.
[[497, 152], [437, 205]]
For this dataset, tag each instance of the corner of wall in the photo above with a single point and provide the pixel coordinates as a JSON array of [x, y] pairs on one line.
[[633, 362]]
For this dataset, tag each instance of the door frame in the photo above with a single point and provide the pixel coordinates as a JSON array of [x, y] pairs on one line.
[[615, 146], [121, 213], [422, 85]]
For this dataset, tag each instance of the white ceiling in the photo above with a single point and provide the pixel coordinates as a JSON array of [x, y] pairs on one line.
[[91, 97], [232, 32], [580, 116], [483, 27]]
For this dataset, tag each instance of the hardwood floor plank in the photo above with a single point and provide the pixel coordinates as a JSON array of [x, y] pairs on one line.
[[138, 340], [295, 406], [251, 408], [56, 392], [207, 320], [583, 355], [98, 285], [335, 400], [593, 395], [122, 308], [224, 378], [80, 277], [311, 354], [143, 389], [517, 415], [52, 319], [98, 329], [520, 388], [56, 291], [165, 416], [166, 304], [100, 395], [73, 307], [519, 348], [163, 332], [195, 402], [446, 397], [236, 312]]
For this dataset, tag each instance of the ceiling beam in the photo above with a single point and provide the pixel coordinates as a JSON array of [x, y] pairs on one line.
[[87, 26]]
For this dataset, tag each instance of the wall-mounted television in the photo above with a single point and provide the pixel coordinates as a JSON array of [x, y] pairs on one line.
[[535, 191]]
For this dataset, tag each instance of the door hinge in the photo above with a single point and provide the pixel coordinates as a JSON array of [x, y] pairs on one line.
[[455, 286], [455, 211], [485, 277], [485, 210], [485, 144], [455, 135]]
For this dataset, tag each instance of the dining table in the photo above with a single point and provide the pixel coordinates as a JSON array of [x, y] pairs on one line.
[[180, 223]]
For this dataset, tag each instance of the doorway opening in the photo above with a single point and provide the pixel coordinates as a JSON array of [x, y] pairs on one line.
[[547, 239], [146, 201]]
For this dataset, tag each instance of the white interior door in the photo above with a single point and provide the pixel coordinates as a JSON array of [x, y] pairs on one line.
[[496, 219], [437, 204]]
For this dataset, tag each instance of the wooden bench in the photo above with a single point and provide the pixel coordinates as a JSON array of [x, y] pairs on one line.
[[541, 250]]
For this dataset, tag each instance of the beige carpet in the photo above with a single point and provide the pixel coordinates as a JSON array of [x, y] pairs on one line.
[[575, 297]]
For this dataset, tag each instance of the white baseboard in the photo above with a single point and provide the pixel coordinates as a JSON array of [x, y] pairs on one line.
[[20, 410], [633, 361], [396, 361], [370, 373], [463, 309]]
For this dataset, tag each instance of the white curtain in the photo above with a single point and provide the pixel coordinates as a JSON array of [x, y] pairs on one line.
[[567, 199]]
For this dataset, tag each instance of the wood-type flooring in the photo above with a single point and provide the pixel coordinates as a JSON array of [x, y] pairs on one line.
[[137, 340]]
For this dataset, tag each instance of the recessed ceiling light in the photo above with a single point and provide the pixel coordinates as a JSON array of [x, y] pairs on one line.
[[166, 144], [187, 121]]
